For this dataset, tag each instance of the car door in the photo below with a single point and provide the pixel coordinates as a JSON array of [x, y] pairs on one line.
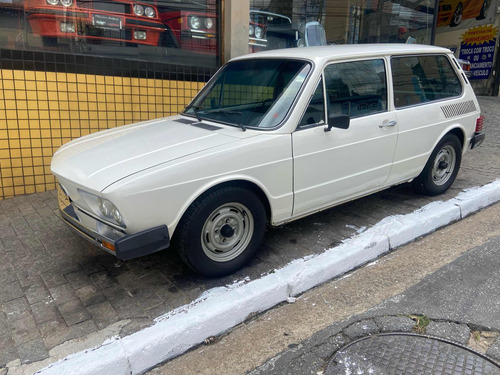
[[336, 165]]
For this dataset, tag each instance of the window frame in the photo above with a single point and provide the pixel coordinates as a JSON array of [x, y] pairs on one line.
[[325, 112], [447, 57], [364, 59]]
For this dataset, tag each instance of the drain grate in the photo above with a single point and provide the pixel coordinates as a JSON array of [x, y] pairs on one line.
[[405, 354]]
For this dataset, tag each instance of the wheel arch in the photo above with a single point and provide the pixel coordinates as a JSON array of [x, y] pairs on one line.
[[240, 182], [457, 130]]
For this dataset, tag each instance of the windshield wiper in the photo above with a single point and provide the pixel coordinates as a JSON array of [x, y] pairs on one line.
[[197, 108], [228, 112]]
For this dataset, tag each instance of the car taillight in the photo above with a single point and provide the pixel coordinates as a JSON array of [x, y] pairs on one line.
[[479, 124]]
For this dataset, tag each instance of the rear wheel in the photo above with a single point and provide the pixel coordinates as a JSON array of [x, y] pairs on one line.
[[442, 167], [221, 231]]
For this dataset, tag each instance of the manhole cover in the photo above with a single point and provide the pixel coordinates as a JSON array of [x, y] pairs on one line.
[[408, 354]]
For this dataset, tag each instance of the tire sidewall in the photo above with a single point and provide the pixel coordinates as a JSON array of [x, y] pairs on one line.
[[430, 187], [190, 245]]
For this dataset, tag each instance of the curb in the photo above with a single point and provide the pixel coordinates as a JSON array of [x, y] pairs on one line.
[[220, 309]]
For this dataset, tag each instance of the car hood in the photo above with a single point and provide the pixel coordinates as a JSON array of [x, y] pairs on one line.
[[100, 159]]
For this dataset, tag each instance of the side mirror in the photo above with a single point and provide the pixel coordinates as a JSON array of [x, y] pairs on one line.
[[338, 121]]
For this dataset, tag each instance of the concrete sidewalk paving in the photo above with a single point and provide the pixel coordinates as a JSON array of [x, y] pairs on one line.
[[444, 285], [61, 295]]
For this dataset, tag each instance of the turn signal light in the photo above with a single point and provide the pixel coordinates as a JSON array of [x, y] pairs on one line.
[[108, 245], [479, 124]]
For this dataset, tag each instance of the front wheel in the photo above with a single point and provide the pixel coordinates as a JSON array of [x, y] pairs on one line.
[[221, 231], [441, 168]]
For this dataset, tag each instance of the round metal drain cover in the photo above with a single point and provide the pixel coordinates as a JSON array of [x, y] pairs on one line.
[[407, 354]]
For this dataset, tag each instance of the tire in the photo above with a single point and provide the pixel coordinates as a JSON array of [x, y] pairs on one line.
[[221, 231], [457, 15], [442, 167], [484, 10]]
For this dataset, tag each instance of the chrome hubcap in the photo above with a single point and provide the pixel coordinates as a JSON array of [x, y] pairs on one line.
[[444, 165], [227, 232]]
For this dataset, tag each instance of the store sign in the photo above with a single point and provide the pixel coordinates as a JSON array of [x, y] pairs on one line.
[[478, 47]]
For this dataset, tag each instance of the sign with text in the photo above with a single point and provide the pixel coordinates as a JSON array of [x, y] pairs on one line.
[[478, 47]]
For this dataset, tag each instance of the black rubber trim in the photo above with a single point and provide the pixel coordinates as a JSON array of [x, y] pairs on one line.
[[477, 139], [143, 243]]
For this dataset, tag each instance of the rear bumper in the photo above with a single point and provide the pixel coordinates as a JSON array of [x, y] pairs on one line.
[[121, 245], [477, 139]]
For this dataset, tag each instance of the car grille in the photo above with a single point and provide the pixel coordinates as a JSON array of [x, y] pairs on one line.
[[90, 30], [107, 6]]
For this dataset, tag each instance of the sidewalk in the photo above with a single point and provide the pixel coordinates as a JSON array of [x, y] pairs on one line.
[[61, 295], [443, 285]]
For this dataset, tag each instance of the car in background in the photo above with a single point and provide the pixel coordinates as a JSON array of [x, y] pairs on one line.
[[98, 21], [278, 32], [273, 137], [452, 12]]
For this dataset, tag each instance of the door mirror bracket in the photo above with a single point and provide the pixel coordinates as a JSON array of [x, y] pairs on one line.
[[337, 121]]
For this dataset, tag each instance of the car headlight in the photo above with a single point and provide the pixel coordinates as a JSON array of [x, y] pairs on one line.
[[103, 208], [209, 23], [259, 32], [251, 30], [150, 12], [194, 22], [109, 210], [52, 2], [138, 10], [67, 3]]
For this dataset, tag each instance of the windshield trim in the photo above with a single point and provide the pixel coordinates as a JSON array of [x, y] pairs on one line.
[[235, 125]]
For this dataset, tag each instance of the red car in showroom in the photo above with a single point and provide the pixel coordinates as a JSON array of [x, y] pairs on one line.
[[110, 20]]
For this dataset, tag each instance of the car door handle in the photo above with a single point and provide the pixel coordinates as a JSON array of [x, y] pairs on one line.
[[386, 124]]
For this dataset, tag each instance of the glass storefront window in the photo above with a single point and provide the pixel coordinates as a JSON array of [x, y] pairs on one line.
[[319, 22], [168, 31]]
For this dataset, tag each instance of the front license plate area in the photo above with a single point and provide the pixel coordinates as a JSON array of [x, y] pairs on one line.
[[107, 22]]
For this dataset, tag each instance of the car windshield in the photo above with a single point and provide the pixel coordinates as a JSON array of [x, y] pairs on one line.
[[256, 93]]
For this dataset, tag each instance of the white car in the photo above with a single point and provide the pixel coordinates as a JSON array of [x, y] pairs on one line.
[[273, 137]]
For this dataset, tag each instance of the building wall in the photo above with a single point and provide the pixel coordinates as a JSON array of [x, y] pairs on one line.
[[42, 110]]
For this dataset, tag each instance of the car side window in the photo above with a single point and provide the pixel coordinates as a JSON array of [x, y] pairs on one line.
[[315, 112], [356, 88], [421, 79]]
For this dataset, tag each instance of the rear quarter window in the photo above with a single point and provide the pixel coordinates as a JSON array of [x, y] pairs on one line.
[[422, 79]]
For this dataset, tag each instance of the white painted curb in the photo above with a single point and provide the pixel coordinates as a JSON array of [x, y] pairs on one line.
[[220, 309]]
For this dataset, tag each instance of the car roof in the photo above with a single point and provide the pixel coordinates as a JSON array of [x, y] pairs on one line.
[[338, 52]]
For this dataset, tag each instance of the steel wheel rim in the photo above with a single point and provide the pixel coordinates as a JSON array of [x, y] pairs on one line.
[[227, 232], [457, 16], [444, 165]]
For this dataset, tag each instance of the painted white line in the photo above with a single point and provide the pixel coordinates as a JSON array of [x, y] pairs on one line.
[[220, 309]]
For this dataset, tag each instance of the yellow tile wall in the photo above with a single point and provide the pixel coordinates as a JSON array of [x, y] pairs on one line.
[[40, 111]]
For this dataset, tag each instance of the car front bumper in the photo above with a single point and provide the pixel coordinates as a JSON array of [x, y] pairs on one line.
[[123, 246]]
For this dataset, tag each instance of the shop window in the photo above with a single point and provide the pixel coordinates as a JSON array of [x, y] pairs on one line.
[[184, 33], [296, 23], [422, 79]]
